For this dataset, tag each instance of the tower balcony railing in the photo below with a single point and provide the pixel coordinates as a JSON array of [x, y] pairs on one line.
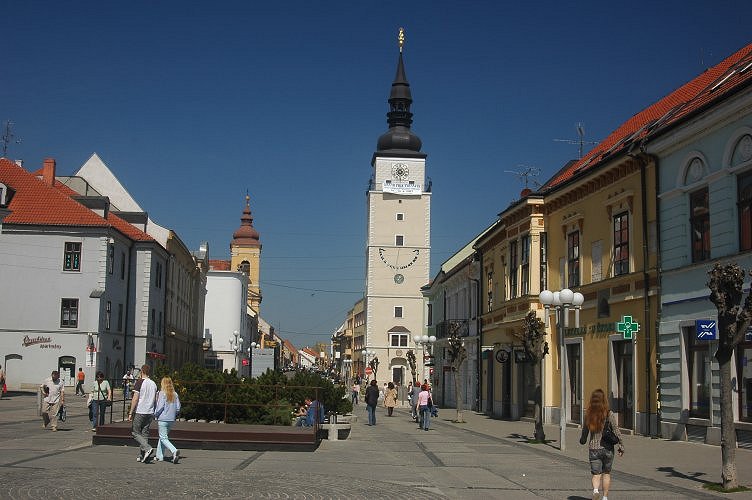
[[448, 327]]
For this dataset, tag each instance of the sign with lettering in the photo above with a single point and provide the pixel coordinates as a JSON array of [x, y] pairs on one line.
[[706, 329]]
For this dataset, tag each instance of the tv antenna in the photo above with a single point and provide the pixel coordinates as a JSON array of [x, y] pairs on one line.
[[526, 173], [581, 141], [8, 136]]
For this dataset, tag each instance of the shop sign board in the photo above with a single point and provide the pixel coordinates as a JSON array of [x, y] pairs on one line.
[[706, 329]]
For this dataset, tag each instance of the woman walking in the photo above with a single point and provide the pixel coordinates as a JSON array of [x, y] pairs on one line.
[[100, 396], [355, 391], [424, 407], [168, 408], [598, 418], [390, 399]]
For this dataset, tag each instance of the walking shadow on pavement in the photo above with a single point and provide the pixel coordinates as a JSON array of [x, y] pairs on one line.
[[531, 440], [692, 476]]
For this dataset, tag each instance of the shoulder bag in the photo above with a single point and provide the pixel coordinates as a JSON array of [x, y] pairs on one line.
[[608, 437], [107, 401]]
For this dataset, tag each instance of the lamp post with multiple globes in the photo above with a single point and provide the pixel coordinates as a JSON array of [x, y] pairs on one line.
[[562, 301], [424, 341], [236, 344]]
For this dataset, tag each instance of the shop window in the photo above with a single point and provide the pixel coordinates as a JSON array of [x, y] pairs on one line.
[[744, 379], [621, 244], [513, 269], [72, 256], [744, 201], [699, 221], [525, 261], [573, 259], [698, 368]]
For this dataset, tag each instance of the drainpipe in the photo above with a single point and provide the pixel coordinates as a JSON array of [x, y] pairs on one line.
[[644, 158]]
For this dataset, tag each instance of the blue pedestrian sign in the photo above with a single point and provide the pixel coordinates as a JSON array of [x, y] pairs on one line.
[[706, 329]]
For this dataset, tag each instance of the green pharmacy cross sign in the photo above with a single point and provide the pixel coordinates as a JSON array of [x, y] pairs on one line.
[[627, 327]]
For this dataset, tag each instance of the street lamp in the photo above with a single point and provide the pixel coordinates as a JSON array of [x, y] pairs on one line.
[[250, 357], [425, 341], [562, 301], [367, 353], [236, 344]]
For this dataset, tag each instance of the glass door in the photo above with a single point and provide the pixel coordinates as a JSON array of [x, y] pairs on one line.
[[623, 403], [575, 382]]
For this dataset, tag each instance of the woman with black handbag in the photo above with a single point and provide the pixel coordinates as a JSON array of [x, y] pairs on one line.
[[601, 424], [101, 398]]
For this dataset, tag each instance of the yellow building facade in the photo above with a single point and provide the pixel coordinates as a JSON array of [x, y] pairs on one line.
[[601, 223]]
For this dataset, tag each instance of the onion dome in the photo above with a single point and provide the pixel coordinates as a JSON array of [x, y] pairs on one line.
[[399, 137], [246, 234]]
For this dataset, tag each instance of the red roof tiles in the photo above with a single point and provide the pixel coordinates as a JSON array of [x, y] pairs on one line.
[[38, 203], [722, 80]]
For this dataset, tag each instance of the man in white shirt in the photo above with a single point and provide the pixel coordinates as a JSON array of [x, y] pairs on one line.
[[53, 391], [142, 413]]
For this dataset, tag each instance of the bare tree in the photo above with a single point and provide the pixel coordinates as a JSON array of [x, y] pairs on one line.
[[457, 357], [726, 292], [413, 363], [533, 339]]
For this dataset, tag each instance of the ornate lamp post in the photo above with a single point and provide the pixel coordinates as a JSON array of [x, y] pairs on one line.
[[562, 301], [424, 341], [250, 357], [367, 353], [236, 344]]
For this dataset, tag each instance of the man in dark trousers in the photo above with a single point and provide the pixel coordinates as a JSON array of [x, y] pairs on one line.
[[372, 399], [80, 377]]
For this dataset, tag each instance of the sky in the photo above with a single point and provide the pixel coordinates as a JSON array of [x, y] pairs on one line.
[[191, 104]]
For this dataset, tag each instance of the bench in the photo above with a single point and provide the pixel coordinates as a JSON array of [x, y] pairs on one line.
[[335, 432]]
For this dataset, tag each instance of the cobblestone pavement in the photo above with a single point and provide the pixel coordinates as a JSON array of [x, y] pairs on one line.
[[391, 460]]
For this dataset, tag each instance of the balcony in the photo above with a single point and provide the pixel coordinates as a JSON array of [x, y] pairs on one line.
[[447, 327]]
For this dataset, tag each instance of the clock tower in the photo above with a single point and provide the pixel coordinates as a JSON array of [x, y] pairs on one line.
[[398, 238]]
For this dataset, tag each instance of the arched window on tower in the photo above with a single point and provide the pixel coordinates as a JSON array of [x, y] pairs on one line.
[[245, 267]]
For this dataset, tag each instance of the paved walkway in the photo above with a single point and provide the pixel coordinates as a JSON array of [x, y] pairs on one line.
[[483, 458]]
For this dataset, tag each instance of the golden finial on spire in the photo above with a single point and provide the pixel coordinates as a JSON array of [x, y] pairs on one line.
[[401, 38], [247, 198]]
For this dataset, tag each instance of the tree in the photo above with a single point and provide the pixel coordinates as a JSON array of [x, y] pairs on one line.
[[726, 292], [533, 339], [413, 363], [457, 357]]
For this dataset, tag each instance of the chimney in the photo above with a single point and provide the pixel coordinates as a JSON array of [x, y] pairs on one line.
[[48, 171]]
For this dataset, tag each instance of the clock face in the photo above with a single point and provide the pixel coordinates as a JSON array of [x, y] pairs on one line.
[[400, 171], [393, 260], [399, 279]]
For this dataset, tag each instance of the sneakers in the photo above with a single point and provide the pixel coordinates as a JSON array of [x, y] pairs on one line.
[[140, 457], [176, 456], [148, 455], [596, 495], [54, 429]]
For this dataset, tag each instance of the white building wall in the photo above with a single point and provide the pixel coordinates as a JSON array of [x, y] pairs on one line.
[[225, 313]]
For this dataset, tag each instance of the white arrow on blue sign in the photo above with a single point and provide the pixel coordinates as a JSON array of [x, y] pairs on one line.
[[706, 329]]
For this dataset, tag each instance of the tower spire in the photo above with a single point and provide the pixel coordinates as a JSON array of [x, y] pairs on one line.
[[399, 136]]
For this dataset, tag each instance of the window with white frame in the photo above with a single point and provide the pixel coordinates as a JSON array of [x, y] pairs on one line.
[[397, 311], [107, 315], [110, 258], [543, 261], [697, 355], [400, 216], [398, 339], [399, 240]]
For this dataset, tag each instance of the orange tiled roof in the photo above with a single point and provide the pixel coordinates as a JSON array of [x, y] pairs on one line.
[[38, 203], [219, 265], [310, 351], [289, 346], [720, 81]]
